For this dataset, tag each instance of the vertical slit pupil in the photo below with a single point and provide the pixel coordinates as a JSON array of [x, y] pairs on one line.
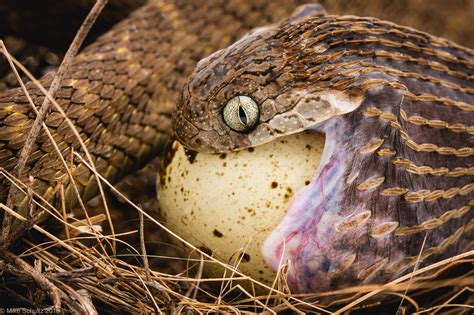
[[243, 115]]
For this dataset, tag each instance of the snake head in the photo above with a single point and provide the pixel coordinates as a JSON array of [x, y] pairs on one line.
[[254, 91], [245, 71]]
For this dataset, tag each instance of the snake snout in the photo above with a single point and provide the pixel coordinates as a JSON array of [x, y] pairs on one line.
[[191, 121]]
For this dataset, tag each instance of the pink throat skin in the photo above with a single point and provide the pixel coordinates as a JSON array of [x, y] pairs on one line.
[[301, 239]]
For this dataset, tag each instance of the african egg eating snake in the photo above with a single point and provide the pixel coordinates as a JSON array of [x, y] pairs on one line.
[[121, 90]]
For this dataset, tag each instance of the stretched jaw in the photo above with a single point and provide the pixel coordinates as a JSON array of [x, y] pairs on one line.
[[303, 238]]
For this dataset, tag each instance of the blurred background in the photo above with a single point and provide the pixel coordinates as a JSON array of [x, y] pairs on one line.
[[39, 32]]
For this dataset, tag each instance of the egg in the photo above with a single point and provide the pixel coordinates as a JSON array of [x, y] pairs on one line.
[[227, 204]]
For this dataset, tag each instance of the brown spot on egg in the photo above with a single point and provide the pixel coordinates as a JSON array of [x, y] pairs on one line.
[[250, 149], [205, 250], [217, 233], [288, 194], [191, 155], [244, 257], [251, 212], [224, 164], [223, 156], [308, 146], [274, 185], [307, 182]]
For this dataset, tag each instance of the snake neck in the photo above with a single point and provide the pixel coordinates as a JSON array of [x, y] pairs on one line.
[[396, 172], [372, 198]]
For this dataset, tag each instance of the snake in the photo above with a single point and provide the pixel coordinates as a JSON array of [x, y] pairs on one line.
[[394, 188], [377, 90]]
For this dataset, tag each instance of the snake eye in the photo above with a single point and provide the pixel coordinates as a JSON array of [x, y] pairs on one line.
[[241, 113]]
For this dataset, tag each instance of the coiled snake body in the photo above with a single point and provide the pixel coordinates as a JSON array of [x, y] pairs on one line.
[[395, 104], [397, 108]]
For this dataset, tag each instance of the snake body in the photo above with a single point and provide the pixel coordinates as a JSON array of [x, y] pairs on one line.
[[395, 184], [120, 92]]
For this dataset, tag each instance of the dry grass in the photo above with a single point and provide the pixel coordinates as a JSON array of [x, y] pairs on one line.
[[87, 276], [76, 266]]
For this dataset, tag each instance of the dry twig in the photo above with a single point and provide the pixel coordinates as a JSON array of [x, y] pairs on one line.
[[36, 127]]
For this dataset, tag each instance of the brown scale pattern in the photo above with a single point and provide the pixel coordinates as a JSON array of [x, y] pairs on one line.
[[407, 151], [420, 95], [426, 198], [120, 91]]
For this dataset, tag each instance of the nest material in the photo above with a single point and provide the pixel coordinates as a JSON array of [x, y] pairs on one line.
[[83, 270]]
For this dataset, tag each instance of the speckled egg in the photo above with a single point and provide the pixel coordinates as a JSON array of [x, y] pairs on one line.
[[227, 204]]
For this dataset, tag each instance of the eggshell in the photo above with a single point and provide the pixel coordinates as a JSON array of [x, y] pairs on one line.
[[227, 204]]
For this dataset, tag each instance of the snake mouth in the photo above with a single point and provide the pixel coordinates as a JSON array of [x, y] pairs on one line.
[[302, 239]]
